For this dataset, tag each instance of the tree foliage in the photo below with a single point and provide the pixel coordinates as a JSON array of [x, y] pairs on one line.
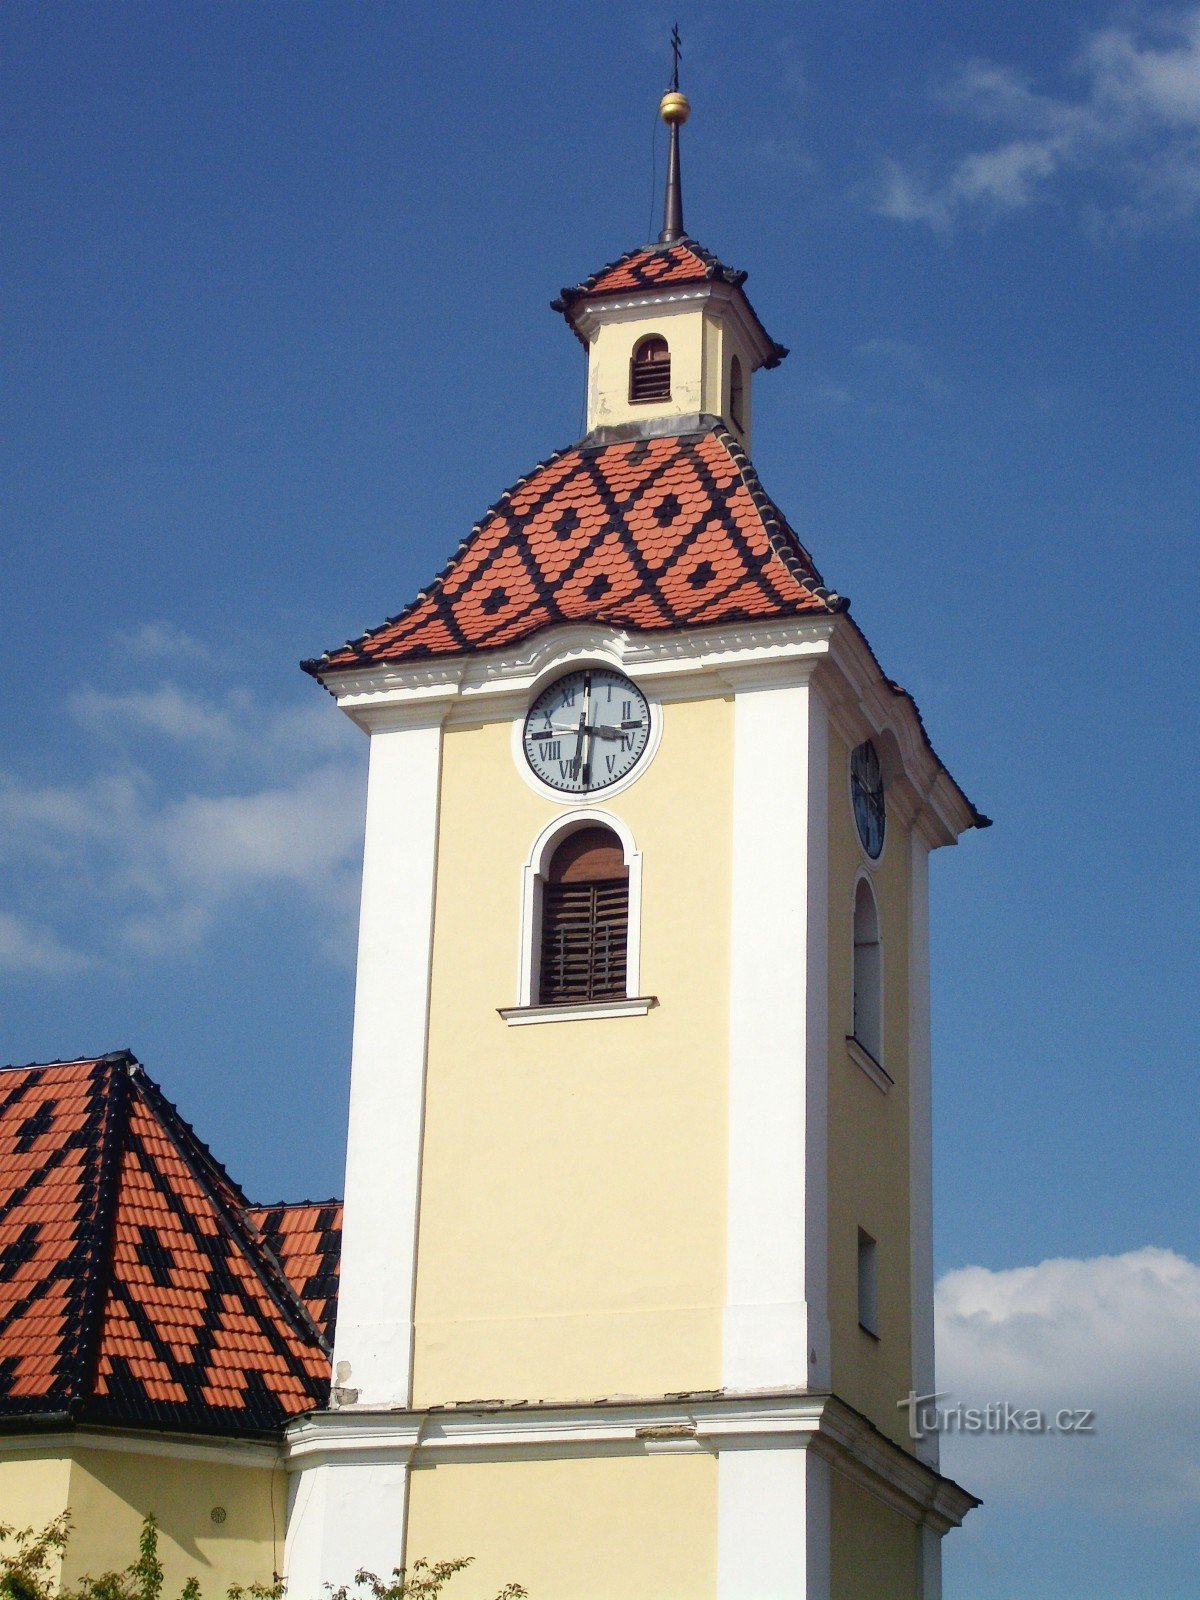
[[29, 1560]]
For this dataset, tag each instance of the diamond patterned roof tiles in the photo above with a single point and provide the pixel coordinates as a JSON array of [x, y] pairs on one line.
[[646, 534], [306, 1240], [133, 1286]]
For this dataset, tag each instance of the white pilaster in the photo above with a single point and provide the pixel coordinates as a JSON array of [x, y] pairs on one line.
[[816, 1050], [931, 1563], [343, 1516], [772, 1525], [920, 1137], [373, 1345], [775, 1310]]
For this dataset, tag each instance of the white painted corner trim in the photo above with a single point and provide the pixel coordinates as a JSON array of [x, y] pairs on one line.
[[530, 927]]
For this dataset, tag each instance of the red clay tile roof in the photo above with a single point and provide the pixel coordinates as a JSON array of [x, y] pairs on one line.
[[647, 534], [306, 1240], [660, 266], [133, 1288]]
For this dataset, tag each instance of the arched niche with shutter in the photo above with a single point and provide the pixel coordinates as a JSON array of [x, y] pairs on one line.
[[584, 923], [570, 850], [650, 370]]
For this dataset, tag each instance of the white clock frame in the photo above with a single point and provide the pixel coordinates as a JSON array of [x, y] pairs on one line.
[[560, 669]]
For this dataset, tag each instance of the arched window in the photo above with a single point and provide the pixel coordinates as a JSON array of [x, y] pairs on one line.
[[585, 920], [868, 973], [737, 394], [650, 370]]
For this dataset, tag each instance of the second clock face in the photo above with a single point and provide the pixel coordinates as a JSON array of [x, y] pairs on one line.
[[586, 731], [866, 790]]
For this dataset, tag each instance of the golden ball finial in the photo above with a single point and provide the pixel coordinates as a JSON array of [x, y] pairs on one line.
[[674, 108]]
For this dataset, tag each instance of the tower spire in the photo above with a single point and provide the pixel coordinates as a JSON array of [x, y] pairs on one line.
[[674, 110]]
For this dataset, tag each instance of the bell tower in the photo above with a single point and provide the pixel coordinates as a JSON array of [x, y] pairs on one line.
[[636, 1269], [668, 330]]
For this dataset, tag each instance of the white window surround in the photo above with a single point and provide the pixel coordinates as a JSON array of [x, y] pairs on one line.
[[534, 870], [557, 668], [866, 1062], [578, 1011]]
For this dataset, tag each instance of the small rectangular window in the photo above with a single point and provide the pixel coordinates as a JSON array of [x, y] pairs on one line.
[[868, 1300]]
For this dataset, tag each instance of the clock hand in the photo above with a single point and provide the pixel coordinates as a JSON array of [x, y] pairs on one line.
[[578, 756]]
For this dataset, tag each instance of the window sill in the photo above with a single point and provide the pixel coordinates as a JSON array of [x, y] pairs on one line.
[[864, 1059], [870, 1332], [580, 1011]]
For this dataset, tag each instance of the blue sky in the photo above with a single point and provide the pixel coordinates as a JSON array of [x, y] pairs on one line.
[[276, 283]]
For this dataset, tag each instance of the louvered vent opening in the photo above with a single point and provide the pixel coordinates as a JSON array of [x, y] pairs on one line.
[[585, 921], [650, 371]]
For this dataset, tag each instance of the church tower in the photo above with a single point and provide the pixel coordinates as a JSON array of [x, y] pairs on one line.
[[636, 1264]]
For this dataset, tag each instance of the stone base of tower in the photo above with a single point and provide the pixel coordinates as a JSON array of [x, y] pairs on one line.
[[735, 1497]]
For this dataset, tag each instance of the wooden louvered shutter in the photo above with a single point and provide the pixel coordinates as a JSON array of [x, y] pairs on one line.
[[650, 370], [585, 921]]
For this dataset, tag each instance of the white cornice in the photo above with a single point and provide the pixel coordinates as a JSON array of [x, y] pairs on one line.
[[495, 685], [729, 299], [490, 685], [708, 1422], [172, 1447], [864, 705]]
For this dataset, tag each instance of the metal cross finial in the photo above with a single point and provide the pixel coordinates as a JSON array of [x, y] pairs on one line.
[[676, 52]]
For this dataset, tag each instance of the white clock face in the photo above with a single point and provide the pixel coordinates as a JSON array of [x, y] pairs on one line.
[[586, 731]]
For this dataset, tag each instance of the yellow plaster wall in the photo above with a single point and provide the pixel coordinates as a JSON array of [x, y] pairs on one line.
[[875, 1551], [702, 348], [112, 1491], [34, 1489], [608, 367], [572, 1225], [605, 1528], [868, 1130]]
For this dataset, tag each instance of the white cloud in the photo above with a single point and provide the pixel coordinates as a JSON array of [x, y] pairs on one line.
[[195, 805], [33, 951], [1117, 1334], [910, 361], [232, 726], [161, 640], [1133, 128], [168, 710]]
